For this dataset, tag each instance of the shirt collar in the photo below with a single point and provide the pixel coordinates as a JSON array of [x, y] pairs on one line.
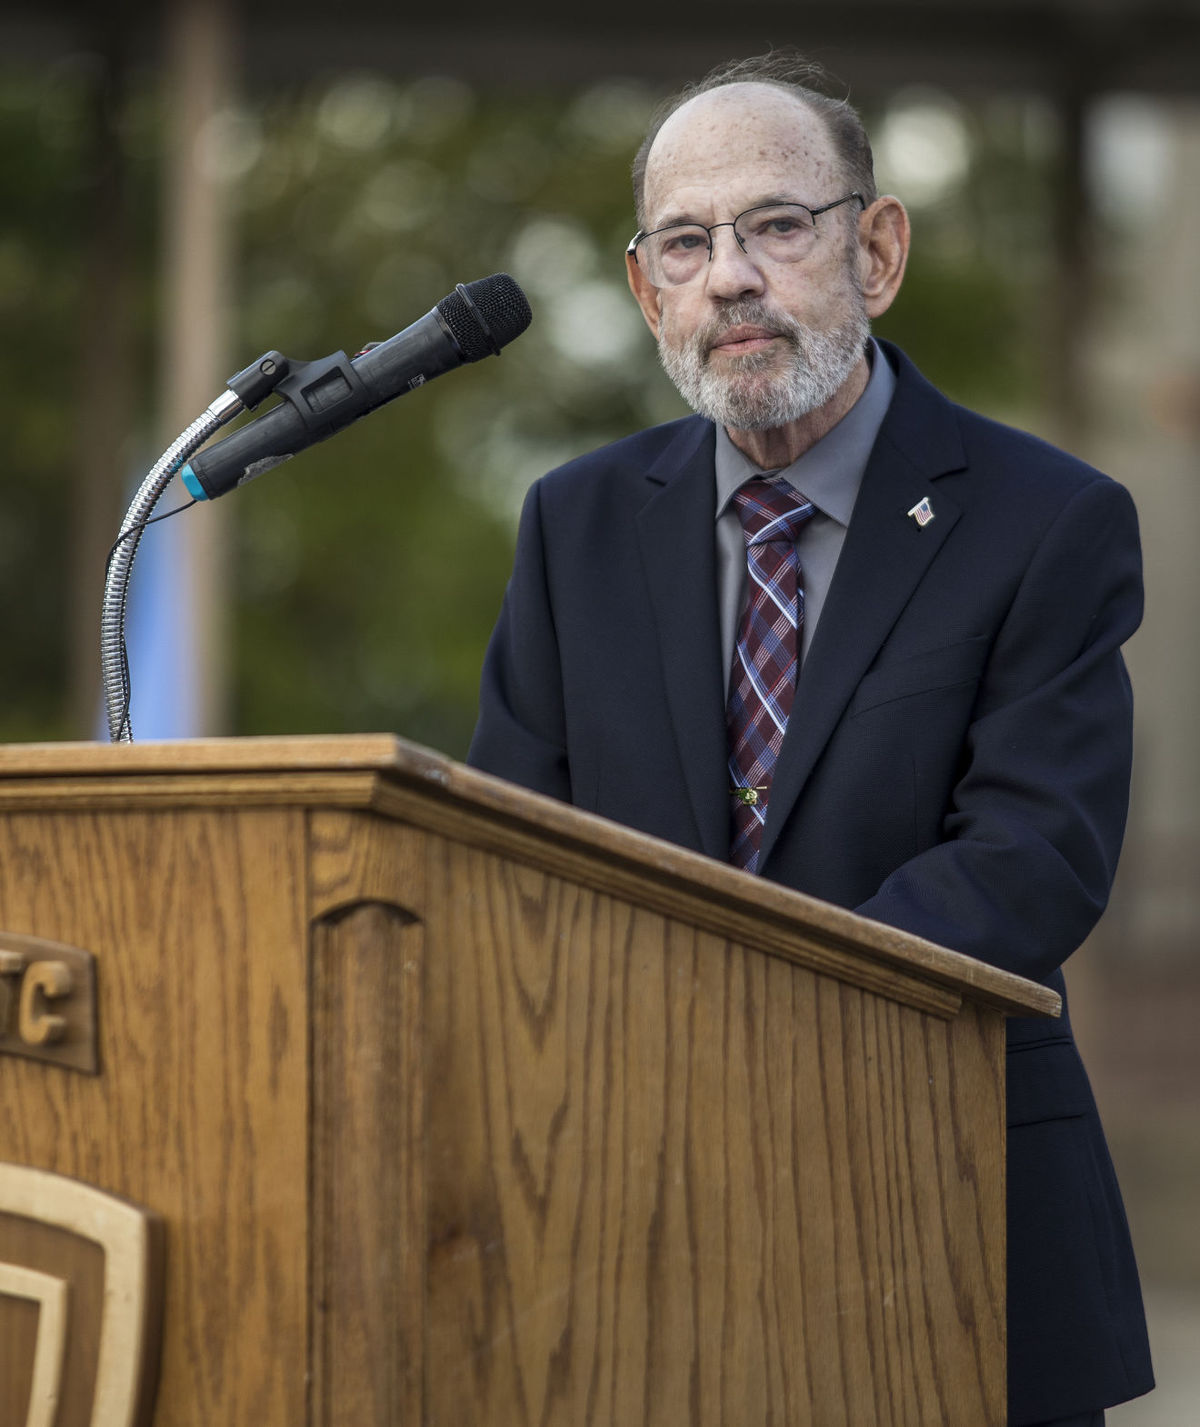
[[829, 473]]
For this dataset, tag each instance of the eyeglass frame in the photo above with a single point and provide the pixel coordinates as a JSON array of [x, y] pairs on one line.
[[813, 213]]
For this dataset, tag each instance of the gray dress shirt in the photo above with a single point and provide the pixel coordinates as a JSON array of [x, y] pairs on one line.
[[829, 474]]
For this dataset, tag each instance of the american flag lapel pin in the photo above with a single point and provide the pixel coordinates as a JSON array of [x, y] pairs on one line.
[[922, 512]]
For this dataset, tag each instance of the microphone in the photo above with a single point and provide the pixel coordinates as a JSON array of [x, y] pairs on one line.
[[322, 397]]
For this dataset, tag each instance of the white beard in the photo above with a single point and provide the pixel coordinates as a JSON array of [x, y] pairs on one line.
[[754, 393]]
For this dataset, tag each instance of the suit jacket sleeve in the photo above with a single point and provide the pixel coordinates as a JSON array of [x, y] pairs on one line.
[[521, 733], [1031, 837]]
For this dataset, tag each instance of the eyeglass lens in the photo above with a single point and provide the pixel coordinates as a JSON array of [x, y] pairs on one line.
[[783, 233]]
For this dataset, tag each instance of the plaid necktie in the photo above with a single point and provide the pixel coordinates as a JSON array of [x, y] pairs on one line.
[[763, 679]]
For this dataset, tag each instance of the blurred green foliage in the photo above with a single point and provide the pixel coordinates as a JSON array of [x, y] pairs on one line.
[[368, 572], [43, 134], [371, 570]]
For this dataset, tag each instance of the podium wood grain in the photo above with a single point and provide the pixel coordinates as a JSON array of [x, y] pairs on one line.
[[673, 1182], [461, 1107], [200, 1110]]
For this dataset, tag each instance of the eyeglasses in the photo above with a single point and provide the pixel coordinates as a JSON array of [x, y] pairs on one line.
[[782, 232]]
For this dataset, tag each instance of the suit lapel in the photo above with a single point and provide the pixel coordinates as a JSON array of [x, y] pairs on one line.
[[676, 532], [882, 561]]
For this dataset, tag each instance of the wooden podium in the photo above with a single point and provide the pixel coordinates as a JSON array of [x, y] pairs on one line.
[[405, 1097]]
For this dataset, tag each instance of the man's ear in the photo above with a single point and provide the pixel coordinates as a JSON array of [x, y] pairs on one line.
[[883, 238], [646, 293]]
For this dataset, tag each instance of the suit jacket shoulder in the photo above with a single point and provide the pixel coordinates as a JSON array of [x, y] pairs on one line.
[[1003, 464], [627, 470]]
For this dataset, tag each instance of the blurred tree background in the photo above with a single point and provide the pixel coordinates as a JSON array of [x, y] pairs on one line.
[[368, 573]]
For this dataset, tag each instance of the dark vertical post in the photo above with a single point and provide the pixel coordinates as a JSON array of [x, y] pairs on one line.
[[105, 401]]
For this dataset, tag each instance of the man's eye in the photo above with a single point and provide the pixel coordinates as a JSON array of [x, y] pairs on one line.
[[782, 226], [685, 242]]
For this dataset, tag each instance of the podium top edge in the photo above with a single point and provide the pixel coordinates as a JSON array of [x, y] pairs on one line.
[[368, 771], [307, 752]]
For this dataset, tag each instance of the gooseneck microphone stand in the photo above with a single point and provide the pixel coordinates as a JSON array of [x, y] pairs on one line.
[[113, 666], [243, 392]]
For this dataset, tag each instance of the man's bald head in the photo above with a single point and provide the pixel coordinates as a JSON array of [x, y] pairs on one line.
[[716, 140], [786, 71]]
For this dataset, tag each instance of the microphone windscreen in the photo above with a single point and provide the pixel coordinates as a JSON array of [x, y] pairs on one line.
[[501, 304]]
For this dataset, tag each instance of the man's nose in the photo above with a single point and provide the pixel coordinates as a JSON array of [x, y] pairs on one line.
[[730, 271]]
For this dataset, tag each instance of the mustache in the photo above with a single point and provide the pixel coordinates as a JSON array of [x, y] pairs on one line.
[[748, 313]]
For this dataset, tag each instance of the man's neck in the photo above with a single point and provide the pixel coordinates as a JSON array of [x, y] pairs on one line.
[[773, 449]]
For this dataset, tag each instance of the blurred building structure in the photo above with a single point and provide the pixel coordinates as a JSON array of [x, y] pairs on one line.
[[1138, 986], [1122, 374]]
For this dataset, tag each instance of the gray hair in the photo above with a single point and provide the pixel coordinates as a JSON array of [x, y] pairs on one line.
[[784, 69]]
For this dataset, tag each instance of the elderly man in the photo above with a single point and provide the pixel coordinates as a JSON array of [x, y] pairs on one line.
[[852, 638]]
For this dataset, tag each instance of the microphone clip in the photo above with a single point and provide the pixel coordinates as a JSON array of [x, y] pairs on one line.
[[325, 394]]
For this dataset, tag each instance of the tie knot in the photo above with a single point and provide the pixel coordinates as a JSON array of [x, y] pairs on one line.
[[771, 509]]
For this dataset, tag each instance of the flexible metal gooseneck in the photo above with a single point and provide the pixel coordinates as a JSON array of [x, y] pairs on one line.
[[116, 582]]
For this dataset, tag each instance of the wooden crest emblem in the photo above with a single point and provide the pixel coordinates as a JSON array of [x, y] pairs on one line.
[[80, 1304]]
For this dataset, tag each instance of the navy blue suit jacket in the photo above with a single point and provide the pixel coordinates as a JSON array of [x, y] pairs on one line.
[[956, 763]]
